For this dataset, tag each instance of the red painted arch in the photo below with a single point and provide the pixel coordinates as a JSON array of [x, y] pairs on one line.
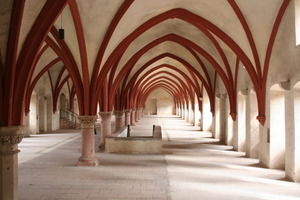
[[143, 78], [183, 89], [11, 59], [190, 18], [145, 96], [184, 42], [122, 10], [83, 56], [34, 82], [72, 70], [39, 31]]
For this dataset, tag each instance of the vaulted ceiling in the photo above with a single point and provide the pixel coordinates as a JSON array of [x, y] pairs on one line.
[[123, 50]]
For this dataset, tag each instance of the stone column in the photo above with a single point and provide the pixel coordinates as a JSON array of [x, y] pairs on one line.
[[127, 117], [132, 117], [119, 118], [192, 116], [105, 127], [88, 157], [140, 113], [137, 114], [10, 137]]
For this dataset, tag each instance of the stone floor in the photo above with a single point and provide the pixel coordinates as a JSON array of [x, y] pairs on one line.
[[193, 166]]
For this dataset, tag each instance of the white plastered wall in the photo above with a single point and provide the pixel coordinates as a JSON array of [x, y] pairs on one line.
[[206, 119], [165, 103]]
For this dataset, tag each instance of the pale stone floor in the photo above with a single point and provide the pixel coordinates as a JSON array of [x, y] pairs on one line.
[[193, 166]]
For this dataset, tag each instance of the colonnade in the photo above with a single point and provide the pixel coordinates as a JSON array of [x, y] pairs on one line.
[[276, 144], [122, 118]]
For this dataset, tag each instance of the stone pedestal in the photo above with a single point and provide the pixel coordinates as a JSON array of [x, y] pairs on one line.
[[119, 119], [105, 127], [132, 121], [88, 157], [10, 137], [127, 117]]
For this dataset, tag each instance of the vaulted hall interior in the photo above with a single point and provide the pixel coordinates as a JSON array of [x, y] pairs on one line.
[[92, 71]]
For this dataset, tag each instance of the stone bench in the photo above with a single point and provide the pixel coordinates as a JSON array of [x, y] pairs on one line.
[[120, 143]]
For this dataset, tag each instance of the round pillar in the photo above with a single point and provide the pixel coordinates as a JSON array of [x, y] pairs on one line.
[[140, 113], [88, 157], [132, 122], [137, 115], [119, 119], [10, 137], [105, 127], [127, 117]]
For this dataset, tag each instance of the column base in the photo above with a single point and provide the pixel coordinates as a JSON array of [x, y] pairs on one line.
[[87, 162]]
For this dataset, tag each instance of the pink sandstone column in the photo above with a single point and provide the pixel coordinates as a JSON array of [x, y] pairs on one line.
[[88, 157], [140, 113], [127, 117], [105, 127], [119, 119], [132, 117], [10, 137], [137, 115]]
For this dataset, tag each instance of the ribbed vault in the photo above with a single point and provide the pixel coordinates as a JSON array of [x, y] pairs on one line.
[[115, 54]]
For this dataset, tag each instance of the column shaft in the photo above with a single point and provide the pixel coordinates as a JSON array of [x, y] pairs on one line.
[[105, 127], [119, 119], [127, 117], [140, 113], [10, 137], [88, 157], [137, 115], [132, 123]]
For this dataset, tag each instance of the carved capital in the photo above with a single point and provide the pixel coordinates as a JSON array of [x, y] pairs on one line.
[[87, 121], [9, 138], [105, 116], [118, 113], [127, 111]]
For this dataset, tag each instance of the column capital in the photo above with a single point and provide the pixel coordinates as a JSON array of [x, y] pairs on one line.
[[118, 112], [9, 138], [87, 121], [104, 115], [127, 110]]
